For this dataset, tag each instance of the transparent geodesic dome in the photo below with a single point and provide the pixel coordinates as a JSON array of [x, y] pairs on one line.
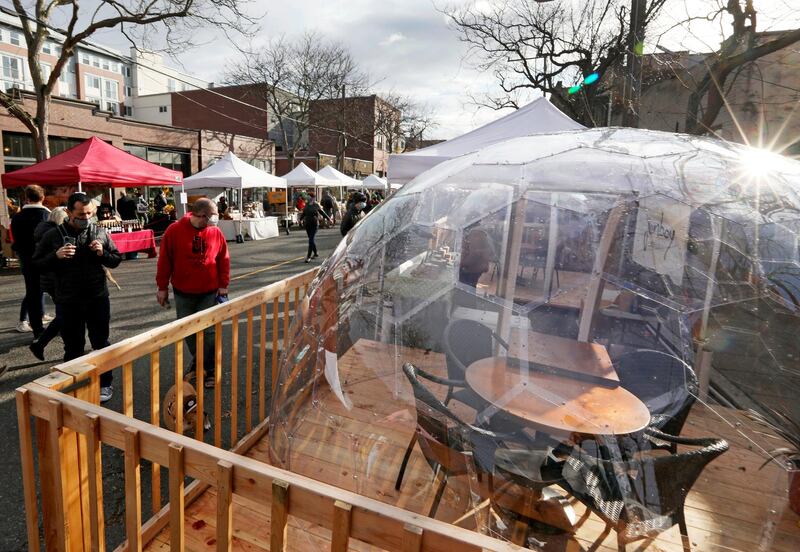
[[518, 336]]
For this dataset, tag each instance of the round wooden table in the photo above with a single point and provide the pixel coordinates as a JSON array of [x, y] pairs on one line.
[[555, 403]]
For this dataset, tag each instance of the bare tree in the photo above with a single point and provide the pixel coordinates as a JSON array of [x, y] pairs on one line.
[[546, 46], [289, 76], [174, 21], [402, 121], [742, 46]]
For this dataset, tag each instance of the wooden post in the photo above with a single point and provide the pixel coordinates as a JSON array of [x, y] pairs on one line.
[[341, 526], [262, 364], [703, 367], [248, 379], [155, 419], [506, 287], [552, 246], [199, 377], [179, 387], [703, 353], [127, 389], [412, 538], [224, 506], [217, 384], [176, 497], [234, 379], [28, 472], [133, 498], [595, 289], [275, 311], [94, 464], [280, 515]]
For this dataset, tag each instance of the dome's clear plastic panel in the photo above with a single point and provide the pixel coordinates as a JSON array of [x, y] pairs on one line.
[[558, 326]]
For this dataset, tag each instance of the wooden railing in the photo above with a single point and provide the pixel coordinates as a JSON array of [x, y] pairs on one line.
[[62, 410]]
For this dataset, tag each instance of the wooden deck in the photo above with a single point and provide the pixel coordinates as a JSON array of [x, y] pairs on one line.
[[733, 506]]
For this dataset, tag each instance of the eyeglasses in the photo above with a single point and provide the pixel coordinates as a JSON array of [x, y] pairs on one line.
[[198, 245]]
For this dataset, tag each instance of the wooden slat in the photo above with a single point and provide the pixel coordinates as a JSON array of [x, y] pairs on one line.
[[412, 538], [28, 471], [248, 376], [176, 497], [262, 364], [134, 347], [199, 376], [53, 465], [280, 515], [275, 312], [133, 498], [285, 319], [296, 301], [234, 379], [217, 384], [224, 506], [155, 419], [341, 526], [127, 389], [179, 386], [95, 476]]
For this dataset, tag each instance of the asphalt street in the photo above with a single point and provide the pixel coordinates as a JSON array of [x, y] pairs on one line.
[[134, 310]]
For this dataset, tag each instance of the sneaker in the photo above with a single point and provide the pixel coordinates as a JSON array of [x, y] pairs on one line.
[[106, 393], [208, 382], [307, 260], [315, 256], [37, 349], [47, 318], [24, 327]]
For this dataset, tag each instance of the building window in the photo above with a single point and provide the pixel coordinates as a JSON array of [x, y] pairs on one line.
[[93, 83], [20, 149], [46, 48], [162, 109], [106, 65], [172, 86], [46, 70], [128, 111], [57, 50], [113, 107], [95, 61], [177, 160], [111, 90], [15, 38], [63, 76], [128, 91], [85, 59], [12, 73]]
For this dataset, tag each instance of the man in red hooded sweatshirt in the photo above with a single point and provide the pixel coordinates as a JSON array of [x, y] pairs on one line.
[[194, 257]]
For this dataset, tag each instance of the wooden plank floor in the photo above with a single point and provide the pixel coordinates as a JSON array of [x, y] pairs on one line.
[[734, 506]]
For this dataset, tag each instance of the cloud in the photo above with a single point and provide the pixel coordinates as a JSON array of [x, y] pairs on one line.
[[393, 38]]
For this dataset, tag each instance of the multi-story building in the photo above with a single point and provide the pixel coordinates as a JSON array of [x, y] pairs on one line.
[[105, 93], [761, 97]]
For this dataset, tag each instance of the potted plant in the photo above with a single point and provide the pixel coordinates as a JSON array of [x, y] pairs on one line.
[[782, 426]]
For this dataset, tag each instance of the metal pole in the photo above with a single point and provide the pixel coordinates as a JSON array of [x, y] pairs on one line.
[[80, 189]]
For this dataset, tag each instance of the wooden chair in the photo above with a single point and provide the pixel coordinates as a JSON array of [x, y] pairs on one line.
[[642, 497]]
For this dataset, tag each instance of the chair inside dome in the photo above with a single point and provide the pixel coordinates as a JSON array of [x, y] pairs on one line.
[[555, 325]]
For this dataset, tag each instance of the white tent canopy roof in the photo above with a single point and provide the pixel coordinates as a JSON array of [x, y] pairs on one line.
[[539, 116], [302, 175], [332, 174], [374, 182], [232, 172]]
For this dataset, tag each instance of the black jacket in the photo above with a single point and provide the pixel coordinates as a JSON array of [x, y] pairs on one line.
[[350, 218], [23, 225], [82, 277], [46, 278]]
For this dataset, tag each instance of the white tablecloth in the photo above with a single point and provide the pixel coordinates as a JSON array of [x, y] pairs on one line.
[[253, 229]]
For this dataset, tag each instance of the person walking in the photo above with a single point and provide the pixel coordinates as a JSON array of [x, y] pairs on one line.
[[58, 216], [329, 205], [23, 226], [194, 258], [77, 253], [352, 216], [311, 215], [160, 201]]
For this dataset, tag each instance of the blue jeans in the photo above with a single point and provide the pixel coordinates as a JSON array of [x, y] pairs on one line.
[[190, 303]]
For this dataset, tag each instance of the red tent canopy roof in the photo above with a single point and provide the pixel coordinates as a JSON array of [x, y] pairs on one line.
[[97, 162]]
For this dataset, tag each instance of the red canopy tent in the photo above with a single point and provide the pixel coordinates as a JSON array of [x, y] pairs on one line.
[[93, 161]]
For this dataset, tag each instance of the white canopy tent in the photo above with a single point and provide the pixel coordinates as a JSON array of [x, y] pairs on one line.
[[539, 116], [232, 172], [302, 175], [374, 182], [342, 179]]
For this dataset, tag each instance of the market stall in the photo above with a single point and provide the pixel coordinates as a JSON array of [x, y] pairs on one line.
[[99, 164], [230, 172]]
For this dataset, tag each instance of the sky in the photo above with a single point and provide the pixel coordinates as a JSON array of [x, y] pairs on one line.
[[407, 47]]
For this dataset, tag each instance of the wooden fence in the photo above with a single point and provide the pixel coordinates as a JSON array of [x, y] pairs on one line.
[[62, 411]]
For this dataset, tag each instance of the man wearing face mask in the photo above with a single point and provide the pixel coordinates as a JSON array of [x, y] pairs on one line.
[[194, 257], [77, 253]]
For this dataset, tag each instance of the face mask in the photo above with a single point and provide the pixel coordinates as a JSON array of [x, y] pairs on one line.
[[360, 206], [213, 220], [80, 224]]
